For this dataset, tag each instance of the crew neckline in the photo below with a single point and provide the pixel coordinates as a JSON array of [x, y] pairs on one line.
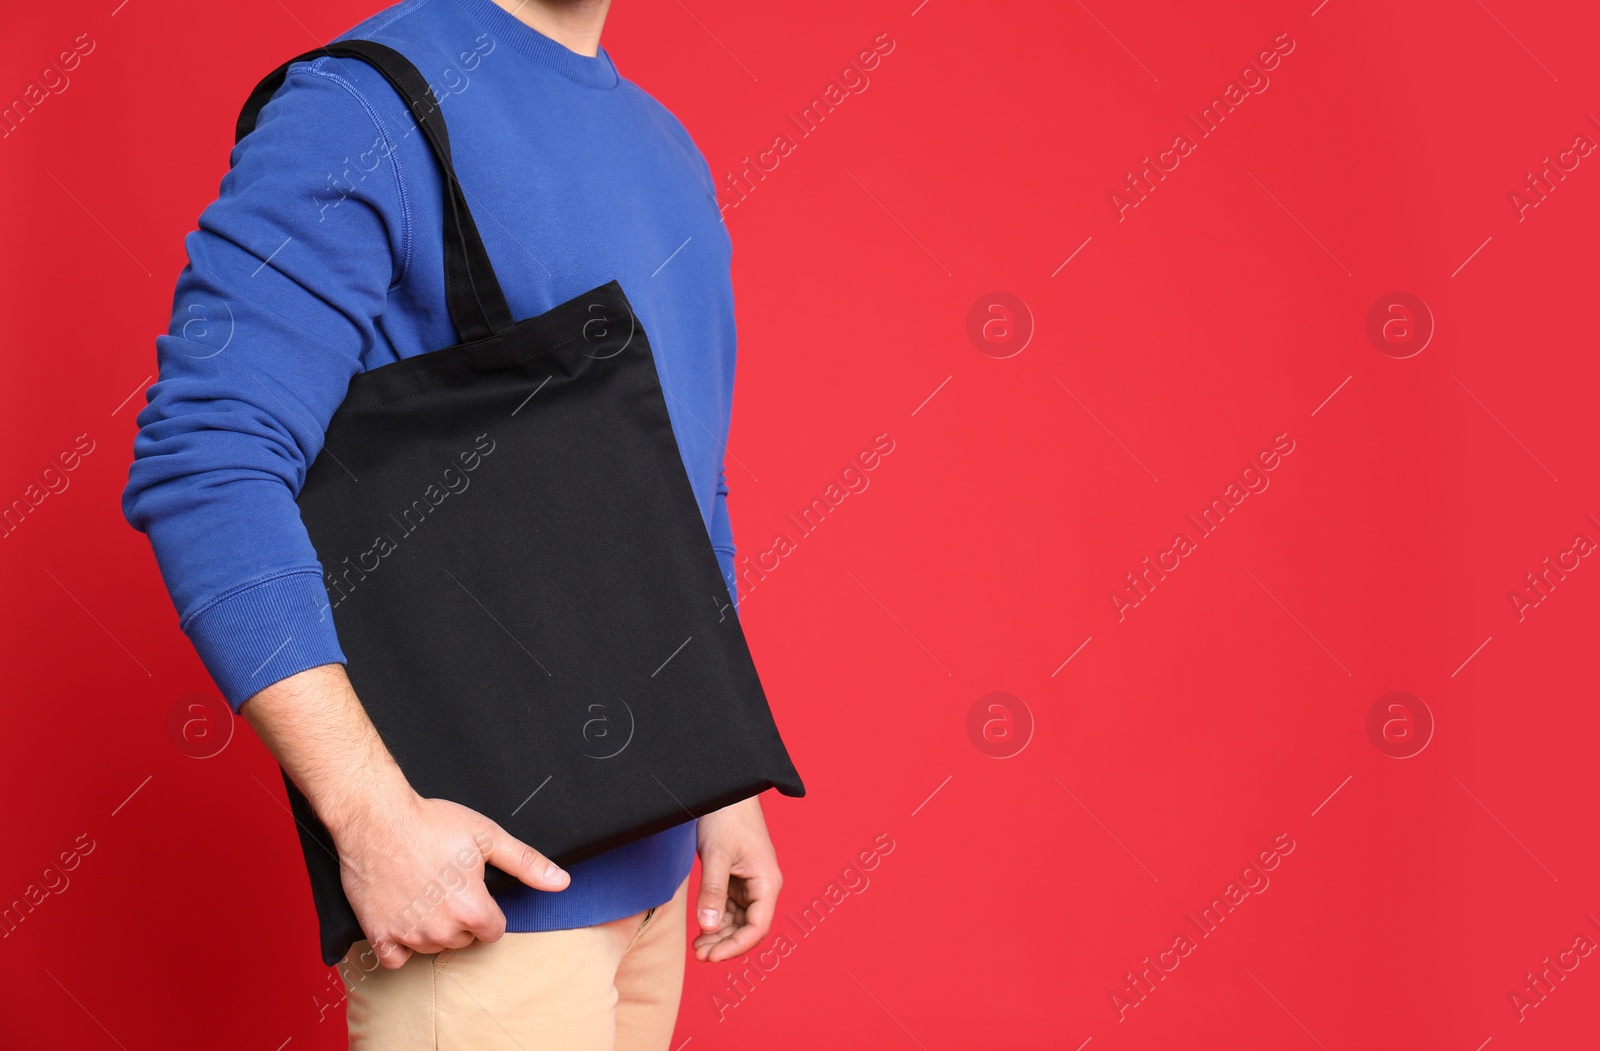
[[596, 72]]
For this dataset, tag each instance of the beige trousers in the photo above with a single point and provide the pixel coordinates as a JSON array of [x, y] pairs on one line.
[[610, 987]]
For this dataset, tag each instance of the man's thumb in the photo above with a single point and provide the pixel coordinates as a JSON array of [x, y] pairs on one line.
[[713, 898], [508, 853]]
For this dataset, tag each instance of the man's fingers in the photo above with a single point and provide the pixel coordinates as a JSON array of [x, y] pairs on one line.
[[458, 939], [505, 851], [484, 919], [738, 943], [391, 955], [713, 898], [455, 924], [746, 917], [758, 914], [754, 921]]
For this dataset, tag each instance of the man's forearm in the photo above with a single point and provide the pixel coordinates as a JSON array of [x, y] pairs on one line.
[[316, 727], [392, 842]]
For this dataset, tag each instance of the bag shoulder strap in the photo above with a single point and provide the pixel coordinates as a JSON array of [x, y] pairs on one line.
[[477, 304]]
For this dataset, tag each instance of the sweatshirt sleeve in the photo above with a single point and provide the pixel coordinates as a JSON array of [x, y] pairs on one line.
[[722, 537], [287, 276]]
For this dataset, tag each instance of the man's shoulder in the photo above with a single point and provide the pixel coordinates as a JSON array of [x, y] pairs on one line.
[[433, 35], [664, 118]]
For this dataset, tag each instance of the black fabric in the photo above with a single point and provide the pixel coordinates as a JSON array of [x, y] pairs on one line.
[[520, 577]]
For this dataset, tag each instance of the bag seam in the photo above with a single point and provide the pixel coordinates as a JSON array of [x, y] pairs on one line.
[[433, 1002], [443, 386]]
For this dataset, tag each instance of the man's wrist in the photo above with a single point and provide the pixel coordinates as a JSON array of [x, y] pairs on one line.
[[314, 725], [374, 795]]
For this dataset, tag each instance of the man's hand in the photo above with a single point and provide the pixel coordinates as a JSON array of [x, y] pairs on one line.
[[411, 867], [739, 882]]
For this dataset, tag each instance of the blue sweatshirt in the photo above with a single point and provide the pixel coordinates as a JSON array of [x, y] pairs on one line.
[[322, 257]]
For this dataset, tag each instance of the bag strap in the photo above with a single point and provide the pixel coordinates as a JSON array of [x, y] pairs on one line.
[[477, 305]]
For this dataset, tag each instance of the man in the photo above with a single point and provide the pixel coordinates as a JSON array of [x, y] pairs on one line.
[[320, 259]]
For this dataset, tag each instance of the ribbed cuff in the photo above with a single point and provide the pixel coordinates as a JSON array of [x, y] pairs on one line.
[[253, 637]]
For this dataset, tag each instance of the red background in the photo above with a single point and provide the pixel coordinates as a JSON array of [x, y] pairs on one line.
[[1229, 707]]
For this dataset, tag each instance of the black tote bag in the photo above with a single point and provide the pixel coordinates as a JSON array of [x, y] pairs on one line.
[[525, 591]]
